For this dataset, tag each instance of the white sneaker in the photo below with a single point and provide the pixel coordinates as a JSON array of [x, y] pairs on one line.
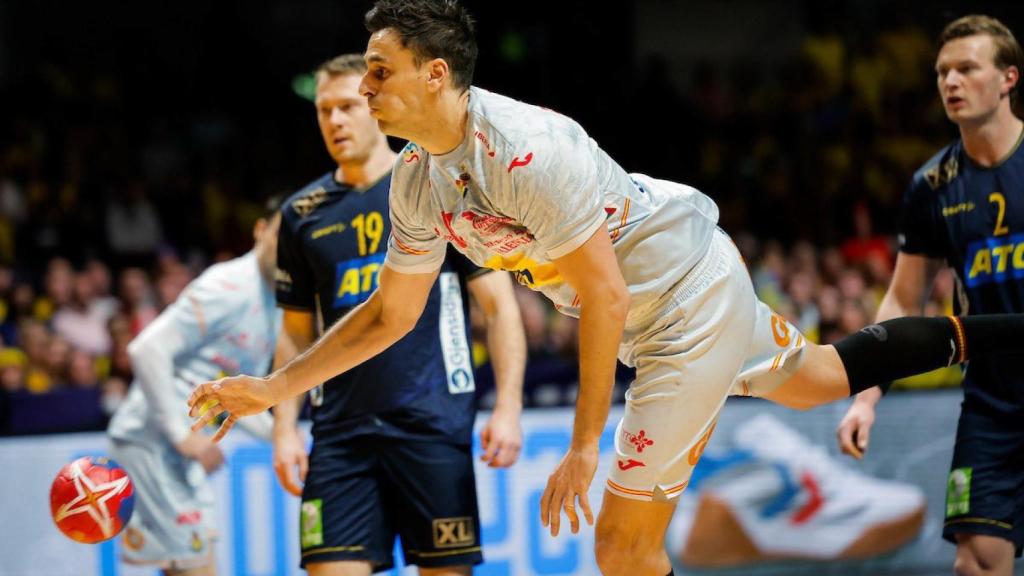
[[780, 497]]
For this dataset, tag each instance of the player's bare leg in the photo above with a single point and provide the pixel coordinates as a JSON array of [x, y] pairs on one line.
[[446, 571], [340, 568], [895, 349], [981, 555], [630, 536], [820, 379]]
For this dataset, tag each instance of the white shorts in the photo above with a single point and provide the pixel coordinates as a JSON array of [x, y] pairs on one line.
[[711, 338], [172, 526]]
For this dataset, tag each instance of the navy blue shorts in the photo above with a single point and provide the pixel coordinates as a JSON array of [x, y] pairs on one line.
[[985, 489], [362, 492]]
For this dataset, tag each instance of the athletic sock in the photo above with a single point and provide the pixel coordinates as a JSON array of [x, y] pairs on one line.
[[902, 347]]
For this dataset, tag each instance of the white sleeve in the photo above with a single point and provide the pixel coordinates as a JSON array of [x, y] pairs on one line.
[[558, 192], [198, 316], [412, 247]]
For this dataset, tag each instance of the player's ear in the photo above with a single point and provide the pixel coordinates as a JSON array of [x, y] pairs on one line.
[[1011, 76], [258, 228], [437, 72]]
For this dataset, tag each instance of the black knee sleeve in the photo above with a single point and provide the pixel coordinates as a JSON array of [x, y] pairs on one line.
[[894, 349]]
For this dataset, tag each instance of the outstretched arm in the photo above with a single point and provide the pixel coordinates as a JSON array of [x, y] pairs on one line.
[[369, 329], [911, 280], [501, 437], [593, 271]]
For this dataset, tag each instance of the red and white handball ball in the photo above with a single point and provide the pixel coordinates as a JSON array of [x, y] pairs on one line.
[[91, 499]]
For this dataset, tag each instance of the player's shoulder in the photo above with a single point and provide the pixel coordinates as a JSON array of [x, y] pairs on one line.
[[412, 161], [500, 120], [225, 282], [308, 198], [410, 177], [939, 170]]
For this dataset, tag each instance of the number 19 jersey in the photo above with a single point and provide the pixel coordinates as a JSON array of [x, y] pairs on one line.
[[330, 249]]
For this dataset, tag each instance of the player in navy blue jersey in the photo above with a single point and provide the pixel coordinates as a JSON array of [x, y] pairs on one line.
[[965, 208], [391, 438]]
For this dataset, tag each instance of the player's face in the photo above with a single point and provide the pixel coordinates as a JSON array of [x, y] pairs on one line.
[[345, 123], [394, 86], [970, 84]]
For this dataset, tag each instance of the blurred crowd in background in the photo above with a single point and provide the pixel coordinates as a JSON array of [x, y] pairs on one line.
[[118, 184]]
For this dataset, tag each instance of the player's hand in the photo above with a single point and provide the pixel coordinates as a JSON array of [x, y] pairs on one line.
[[854, 430], [237, 395], [289, 454], [571, 480], [200, 447], [502, 437]]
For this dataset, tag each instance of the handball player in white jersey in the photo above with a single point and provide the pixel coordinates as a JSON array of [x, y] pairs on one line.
[[641, 263], [224, 322]]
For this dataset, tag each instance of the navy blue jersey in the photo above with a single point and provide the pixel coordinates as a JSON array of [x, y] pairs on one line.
[[330, 251], [973, 217]]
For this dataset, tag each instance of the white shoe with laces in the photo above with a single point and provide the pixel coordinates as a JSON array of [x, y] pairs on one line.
[[777, 496]]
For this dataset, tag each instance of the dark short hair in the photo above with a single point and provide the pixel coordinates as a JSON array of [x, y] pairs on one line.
[[1008, 51], [342, 65], [272, 205], [431, 29]]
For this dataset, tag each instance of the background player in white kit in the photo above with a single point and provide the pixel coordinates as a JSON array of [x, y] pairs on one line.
[[223, 323], [639, 261]]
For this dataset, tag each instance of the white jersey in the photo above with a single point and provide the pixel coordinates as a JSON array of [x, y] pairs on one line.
[[527, 186], [224, 323]]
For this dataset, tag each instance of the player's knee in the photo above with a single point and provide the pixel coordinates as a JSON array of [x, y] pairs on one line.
[[622, 551], [966, 564], [979, 556]]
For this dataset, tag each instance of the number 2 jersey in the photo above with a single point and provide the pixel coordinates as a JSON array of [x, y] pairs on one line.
[[331, 247], [973, 217]]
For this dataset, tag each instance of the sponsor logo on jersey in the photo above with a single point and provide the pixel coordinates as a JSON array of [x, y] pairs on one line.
[[356, 279], [630, 463], [331, 229], [411, 153], [455, 349], [487, 143], [527, 271], [191, 517], [517, 163], [994, 260], [462, 183], [499, 234], [640, 441], [698, 449], [454, 532], [958, 492], [957, 209], [941, 174], [305, 204], [450, 235], [133, 539], [311, 525], [226, 364]]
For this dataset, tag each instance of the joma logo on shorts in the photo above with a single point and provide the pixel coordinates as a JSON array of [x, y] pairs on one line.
[[454, 532]]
